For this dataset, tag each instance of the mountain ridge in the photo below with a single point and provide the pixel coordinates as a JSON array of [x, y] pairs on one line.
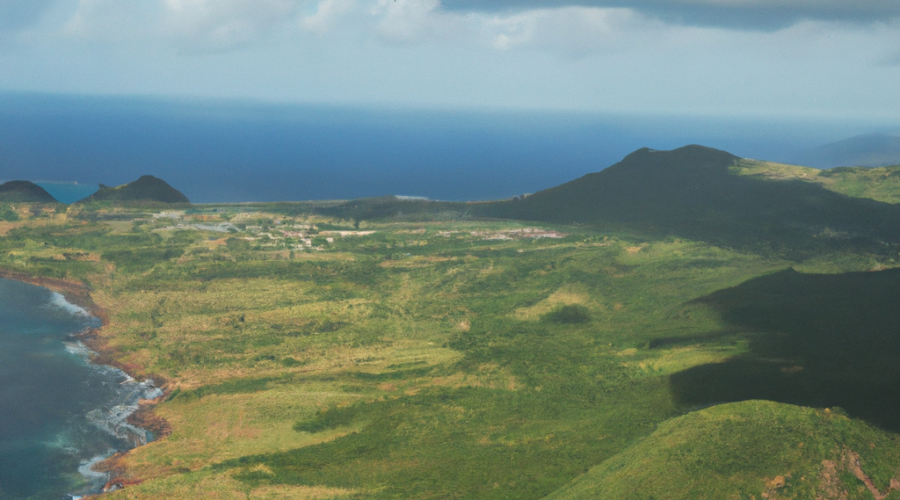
[[867, 150], [698, 193]]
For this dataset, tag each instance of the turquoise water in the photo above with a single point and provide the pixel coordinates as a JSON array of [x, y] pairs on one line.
[[58, 413], [68, 192]]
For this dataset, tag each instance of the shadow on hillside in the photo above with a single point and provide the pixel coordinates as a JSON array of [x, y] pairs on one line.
[[691, 192], [815, 340]]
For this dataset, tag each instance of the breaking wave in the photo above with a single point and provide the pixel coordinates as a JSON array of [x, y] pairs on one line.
[[58, 301], [112, 417]]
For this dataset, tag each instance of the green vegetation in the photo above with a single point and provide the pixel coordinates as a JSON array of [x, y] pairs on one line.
[[747, 450], [348, 350], [24, 191], [574, 313], [8, 214], [881, 184]]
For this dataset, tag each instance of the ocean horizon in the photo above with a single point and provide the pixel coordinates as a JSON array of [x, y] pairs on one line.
[[242, 151]]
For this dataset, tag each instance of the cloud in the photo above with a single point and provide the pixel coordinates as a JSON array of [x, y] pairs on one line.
[[327, 14], [570, 30], [739, 14], [193, 25], [415, 21], [417, 52], [578, 30], [19, 14]]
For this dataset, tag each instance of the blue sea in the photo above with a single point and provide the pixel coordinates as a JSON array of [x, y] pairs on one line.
[[232, 151], [59, 413]]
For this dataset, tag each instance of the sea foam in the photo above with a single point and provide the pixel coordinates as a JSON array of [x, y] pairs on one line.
[[114, 419], [58, 301], [86, 468]]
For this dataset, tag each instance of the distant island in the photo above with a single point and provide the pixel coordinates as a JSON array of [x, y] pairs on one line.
[[147, 189], [24, 192], [867, 150]]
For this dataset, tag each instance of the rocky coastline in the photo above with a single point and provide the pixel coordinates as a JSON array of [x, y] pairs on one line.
[[137, 416]]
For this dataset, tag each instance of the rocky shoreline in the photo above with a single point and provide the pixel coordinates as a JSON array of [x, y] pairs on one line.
[[139, 415]]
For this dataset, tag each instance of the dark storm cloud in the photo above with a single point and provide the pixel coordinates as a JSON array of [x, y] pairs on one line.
[[740, 14], [18, 14]]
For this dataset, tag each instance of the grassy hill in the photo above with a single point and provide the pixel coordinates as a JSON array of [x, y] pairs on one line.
[[753, 449], [24, 192], [146, 189], [698, 193]]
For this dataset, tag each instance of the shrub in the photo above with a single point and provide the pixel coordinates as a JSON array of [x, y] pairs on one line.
[[571, 314]]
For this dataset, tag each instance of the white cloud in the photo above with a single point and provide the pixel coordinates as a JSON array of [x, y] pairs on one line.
[[413, 21], [580, 30], [328, 13], [221, 25], [568, 30]]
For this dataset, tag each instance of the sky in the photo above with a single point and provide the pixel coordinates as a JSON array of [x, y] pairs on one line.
[[780, 58]]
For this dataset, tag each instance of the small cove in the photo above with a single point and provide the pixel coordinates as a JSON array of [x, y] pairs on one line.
[[58, 412]]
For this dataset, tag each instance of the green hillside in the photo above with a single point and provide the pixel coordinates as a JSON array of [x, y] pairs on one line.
[[146, 189], [695, 192], [24, 192], [880, 184], [753, 449]]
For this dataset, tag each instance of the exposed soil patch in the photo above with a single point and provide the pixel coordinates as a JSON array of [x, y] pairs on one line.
[[831, 487], [851, 461]]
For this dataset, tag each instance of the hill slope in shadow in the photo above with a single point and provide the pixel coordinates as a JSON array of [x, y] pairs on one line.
[[146, 189], [696, 192], [24, 191], [815, 340]]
